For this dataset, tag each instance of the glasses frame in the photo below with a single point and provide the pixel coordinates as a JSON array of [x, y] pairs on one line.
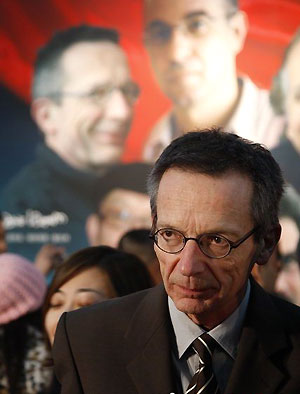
[[183, 26], [110, 89], [232, 245]]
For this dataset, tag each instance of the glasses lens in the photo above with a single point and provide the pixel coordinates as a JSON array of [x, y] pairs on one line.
[[131, 92], [158, 33], [169, 240], [214, 245], [100, 94]]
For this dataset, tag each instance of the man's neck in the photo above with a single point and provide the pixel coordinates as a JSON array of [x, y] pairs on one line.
[[295, 140]]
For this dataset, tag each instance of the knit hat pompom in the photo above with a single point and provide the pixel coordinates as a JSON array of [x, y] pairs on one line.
[[22, 287]]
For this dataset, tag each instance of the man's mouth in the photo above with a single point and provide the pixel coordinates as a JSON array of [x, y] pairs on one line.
[[109, 138], [197, 292]]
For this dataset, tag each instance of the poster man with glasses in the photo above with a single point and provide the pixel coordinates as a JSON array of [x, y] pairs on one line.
[[82, 100]]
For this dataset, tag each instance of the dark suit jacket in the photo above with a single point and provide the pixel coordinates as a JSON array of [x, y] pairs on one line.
[[122, 346]]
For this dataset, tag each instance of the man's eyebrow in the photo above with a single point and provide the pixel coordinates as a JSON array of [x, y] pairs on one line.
[[158, 22], [197, 13], [165, 225]]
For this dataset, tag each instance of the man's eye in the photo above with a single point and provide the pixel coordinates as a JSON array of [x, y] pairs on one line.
[[100, 92], [158, 33], [216, 240], [168, 234], [197, 26]]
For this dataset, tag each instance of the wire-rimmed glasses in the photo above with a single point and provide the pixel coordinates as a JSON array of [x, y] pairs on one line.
[[212, 245]]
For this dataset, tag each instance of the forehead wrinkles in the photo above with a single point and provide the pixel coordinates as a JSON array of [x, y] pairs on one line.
[[187, 197]]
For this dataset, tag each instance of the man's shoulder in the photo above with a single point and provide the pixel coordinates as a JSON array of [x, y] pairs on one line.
[[27, 184], [290, 312], [99, 316], [36, 172], [271, 311]]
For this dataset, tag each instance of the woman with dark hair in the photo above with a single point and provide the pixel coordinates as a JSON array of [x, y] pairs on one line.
[[92, 275]]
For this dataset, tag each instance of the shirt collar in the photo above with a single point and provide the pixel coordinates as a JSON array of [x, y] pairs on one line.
[[227, 333]]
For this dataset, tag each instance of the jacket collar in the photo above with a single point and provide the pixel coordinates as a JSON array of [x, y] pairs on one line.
[[262, 338], [148, 342]]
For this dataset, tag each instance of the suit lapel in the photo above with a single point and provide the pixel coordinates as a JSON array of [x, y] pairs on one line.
[[262, 339], [148, 345]]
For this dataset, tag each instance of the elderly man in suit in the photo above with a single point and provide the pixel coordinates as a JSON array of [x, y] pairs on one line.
[[210, 328]]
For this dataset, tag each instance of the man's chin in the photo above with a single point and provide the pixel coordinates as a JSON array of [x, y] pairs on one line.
[[106, 156], [191, 306], [185, 99]]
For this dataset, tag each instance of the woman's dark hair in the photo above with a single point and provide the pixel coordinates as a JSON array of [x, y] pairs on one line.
[[126, 272]]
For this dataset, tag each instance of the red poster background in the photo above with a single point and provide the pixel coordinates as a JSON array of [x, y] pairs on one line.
[[26, 25]]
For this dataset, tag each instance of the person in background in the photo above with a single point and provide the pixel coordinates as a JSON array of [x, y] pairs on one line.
[[83, 98], [89, 276], [193, 47], [285, 94], [267, 275], [214, 203], [140, 244], [124, 206], [288, 281], [22, 347]]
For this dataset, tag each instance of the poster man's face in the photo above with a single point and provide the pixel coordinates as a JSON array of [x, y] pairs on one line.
[[120, 211], [192, 47], [93, 118]]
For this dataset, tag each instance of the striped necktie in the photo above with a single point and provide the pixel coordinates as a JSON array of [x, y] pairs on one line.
[[204, 380]]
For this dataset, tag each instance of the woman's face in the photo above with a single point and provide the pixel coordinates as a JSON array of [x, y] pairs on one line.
[[88, 287]]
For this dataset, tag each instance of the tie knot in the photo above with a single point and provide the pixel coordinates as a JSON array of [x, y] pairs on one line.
[[204, 346]]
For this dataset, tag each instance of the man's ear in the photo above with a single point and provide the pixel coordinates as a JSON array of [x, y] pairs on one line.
[[44, 113], [267, 245], [239, 25], [92, 225]]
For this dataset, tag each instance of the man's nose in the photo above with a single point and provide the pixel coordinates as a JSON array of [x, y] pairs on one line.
[[117, 106], [192, 260], [179, 46]]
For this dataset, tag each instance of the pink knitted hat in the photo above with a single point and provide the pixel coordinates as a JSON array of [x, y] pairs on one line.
[[22, 287]]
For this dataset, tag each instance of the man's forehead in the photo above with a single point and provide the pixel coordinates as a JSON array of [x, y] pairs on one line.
[[124, 197], [173, 10], [101, 58]]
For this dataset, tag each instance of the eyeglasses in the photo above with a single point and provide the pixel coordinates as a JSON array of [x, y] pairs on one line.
[[197, 25], [101, 94], [212, 245]]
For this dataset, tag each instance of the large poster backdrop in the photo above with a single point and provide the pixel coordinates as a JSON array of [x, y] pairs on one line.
[[26, 25]]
